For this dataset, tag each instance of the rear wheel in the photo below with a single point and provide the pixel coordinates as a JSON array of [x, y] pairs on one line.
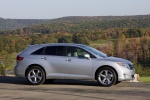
[[106, 76], [35, 75]]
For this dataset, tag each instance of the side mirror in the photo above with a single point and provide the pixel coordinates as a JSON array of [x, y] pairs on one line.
[[87, 56]]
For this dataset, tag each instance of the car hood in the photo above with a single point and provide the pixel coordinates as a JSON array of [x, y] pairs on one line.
[[115, 59]]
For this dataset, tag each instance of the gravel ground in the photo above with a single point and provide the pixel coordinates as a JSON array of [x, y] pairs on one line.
[[16, 88]]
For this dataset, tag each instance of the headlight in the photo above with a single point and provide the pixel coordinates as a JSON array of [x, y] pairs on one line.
[[123, 64]]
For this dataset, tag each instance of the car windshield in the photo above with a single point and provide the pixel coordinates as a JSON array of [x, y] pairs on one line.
[[95, 51]]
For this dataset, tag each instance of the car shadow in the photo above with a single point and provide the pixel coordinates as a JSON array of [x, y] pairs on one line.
[[23, 81], [72, 82], [13, 80]]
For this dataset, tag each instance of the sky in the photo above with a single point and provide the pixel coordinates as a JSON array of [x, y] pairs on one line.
[[50, 9]]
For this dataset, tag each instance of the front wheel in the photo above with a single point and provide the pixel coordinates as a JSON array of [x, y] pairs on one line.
[[35, 75], [106, 76]]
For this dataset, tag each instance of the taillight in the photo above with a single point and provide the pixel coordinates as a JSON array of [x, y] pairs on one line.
[[19, 58]]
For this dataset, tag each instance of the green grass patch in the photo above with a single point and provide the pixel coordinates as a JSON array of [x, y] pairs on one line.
[[145, 79], [99, 42]]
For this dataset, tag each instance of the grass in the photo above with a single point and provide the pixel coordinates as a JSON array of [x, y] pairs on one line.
[[145, 79], [99, 42]]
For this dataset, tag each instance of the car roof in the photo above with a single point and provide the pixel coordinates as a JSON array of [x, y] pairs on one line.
[[34, 47], [60, 44]]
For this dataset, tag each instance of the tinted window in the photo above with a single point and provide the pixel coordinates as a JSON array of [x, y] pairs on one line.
[[54, 50], [38, 52], [77, 52], [72, 52], [95, 51]]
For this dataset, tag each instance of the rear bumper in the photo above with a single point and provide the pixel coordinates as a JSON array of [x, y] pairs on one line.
[[18, 71]]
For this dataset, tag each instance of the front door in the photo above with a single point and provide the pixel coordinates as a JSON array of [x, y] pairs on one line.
[[77, 66]]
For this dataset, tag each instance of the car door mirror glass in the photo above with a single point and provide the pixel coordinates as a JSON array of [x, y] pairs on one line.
[[87, 56]]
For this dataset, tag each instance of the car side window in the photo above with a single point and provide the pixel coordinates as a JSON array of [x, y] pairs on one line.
[[72, 52], [76, 52], [54, 50], [38, 52], [81, 52]]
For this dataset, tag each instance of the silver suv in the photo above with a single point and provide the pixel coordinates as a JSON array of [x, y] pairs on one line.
[[71, 61]]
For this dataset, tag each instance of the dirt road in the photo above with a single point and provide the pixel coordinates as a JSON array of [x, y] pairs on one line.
[[15, 88]]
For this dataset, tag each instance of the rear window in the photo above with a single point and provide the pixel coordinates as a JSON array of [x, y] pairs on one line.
[[54, 50], [38, 52]]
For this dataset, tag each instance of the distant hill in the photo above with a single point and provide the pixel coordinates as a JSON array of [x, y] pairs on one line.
[[84, 24], [10, 24], [76, 24], [101, 18]]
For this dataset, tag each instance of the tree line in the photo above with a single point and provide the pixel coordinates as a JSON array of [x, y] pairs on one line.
[[131, 44], [73, 24]]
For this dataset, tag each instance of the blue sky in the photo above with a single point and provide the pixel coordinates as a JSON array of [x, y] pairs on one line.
[[49, 9]]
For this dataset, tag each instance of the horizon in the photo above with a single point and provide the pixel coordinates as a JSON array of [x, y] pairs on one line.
[[50, 9], [81, 16]]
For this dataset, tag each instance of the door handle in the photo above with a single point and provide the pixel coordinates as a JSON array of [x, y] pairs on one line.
[[44, 58], [68, 60]]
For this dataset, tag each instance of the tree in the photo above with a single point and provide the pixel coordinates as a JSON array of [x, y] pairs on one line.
[[36, 39], [65, 39], [122, 37], [80, 39], [5, 62]]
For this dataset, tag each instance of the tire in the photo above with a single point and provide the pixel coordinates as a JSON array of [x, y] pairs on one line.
[[35, 75], [106, 77]]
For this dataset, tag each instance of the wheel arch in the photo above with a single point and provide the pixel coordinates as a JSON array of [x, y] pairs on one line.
[[32, 66], [103, 67]]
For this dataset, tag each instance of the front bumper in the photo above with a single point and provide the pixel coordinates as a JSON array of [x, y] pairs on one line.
[[126, 75]]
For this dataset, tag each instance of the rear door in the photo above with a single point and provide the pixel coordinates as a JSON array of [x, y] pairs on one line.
[[53, 58]]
